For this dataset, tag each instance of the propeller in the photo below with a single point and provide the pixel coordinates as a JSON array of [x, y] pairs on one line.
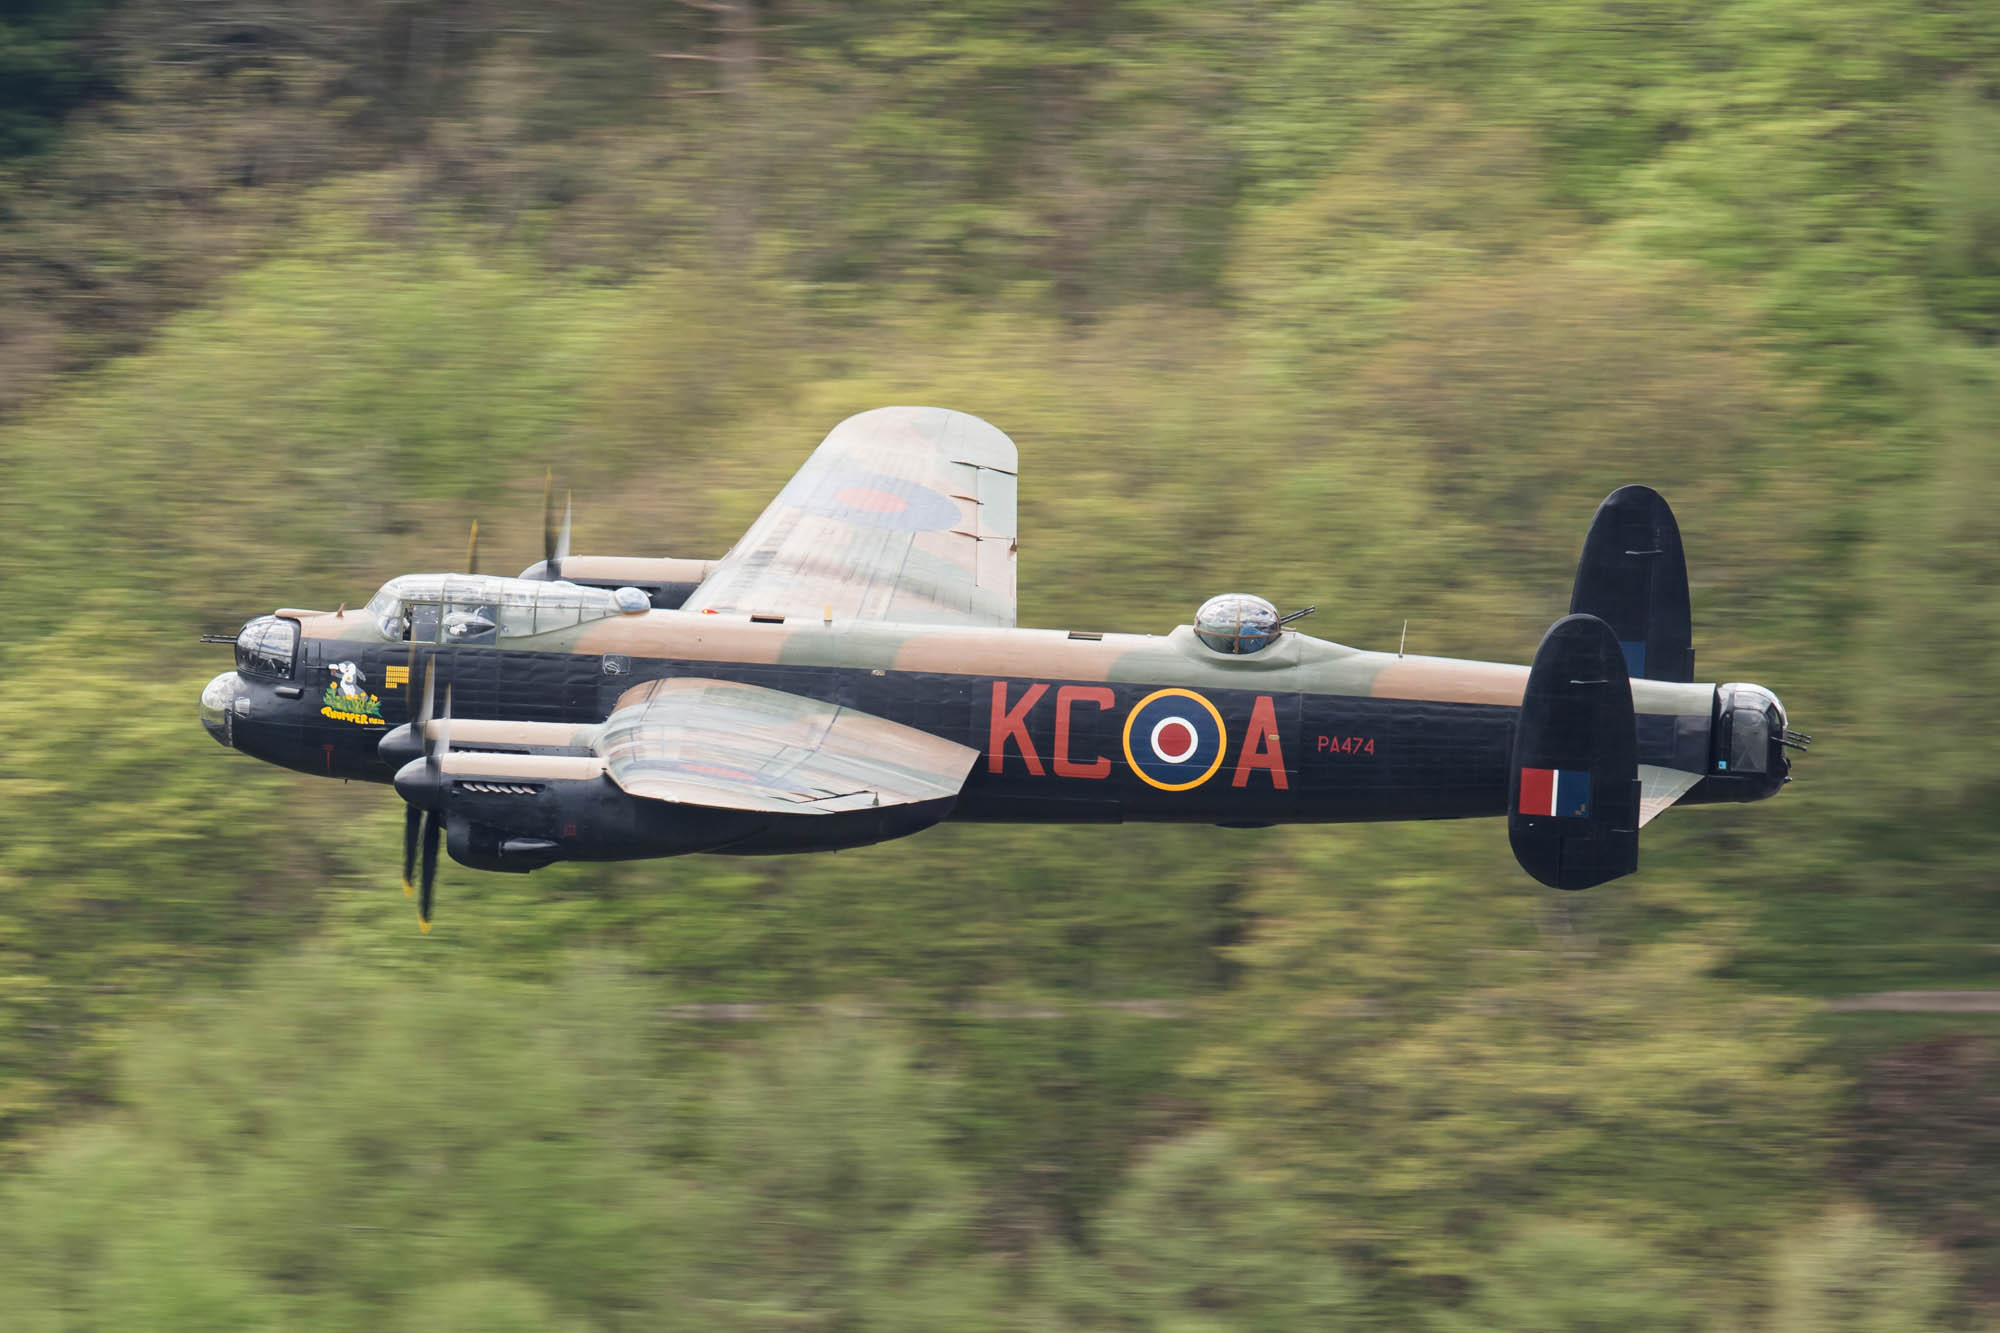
[[434, 753], [412, 815], [472, 549], [421, 783], [555, 544]]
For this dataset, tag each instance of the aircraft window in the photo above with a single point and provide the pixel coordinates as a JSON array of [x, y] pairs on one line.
[[472, 609], [557, 613], [470, 624], [1749, 740], [421, 620], [517, 617], [562, 606], [1237, 623], [482, 609], [267, 646]]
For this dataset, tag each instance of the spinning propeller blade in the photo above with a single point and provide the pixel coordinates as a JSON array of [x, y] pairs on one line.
[[555, 544], [433, 819], [412, 817], [420, 718], [430, 872]]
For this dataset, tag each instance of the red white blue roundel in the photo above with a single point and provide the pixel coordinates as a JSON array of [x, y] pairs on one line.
[[1174, 739], [872, 500]]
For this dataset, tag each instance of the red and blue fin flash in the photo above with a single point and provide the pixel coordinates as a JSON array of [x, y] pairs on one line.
[[1556, 791]]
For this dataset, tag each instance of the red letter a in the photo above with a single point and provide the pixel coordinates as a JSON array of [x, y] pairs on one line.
[[1261, 748]]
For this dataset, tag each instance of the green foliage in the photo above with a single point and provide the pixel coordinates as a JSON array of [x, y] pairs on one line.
[[1201, 1238], [1563, 1278], [45, 69], [1848, 1274], [1965, 269], [327, 1149], [1922, 1128], [115, 884], [1439, 1079], [1357, 305]]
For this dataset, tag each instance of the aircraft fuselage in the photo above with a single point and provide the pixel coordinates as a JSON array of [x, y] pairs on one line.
[[1070, 727]]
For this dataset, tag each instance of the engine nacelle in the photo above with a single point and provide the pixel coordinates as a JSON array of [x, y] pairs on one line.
[[667, 581]]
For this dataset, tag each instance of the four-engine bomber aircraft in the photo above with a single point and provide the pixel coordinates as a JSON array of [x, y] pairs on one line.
[[851, 672]]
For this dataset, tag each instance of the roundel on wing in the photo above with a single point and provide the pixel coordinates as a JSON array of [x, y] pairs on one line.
[[1174, 739], [871, 500]]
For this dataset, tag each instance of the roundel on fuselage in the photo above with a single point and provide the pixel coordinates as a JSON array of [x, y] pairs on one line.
[[1174, 739]]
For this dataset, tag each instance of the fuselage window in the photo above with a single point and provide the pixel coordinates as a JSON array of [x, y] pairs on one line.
[[459, 610], [421, 622], [471, 623]]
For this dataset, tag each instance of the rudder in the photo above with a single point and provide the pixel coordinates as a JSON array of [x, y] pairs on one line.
[[1632, 575], [1573, 792]]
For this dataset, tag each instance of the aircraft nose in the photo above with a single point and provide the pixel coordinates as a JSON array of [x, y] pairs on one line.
[[218, 706]]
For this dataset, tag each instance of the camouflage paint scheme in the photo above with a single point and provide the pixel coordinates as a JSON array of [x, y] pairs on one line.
[[866, 620]]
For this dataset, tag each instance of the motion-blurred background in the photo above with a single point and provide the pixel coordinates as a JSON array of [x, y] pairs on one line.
[[1362, 304]]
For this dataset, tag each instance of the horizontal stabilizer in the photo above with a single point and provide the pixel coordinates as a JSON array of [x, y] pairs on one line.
[[1633, 576], [1660, 787], [1573, 793]]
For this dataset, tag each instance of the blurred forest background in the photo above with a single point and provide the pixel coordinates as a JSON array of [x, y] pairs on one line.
[[1337, 301]]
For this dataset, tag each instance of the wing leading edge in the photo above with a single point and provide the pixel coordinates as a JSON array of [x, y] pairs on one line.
[[902, 514]]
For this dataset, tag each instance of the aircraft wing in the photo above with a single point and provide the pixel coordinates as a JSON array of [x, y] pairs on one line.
[[902, 514], [743, 747]]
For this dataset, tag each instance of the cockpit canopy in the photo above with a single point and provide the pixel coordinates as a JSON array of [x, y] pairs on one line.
[[1237, 623], [267, 646], [482, 609]]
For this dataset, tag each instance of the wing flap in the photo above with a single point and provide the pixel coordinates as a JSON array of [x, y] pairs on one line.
[[743, 747]]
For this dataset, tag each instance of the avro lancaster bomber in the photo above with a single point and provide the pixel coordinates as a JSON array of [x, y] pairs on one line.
[[851, 672]]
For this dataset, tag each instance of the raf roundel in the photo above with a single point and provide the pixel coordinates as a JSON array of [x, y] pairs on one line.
[[871, 500], [1174, 739]]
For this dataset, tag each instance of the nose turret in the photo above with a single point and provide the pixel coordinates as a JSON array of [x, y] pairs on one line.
[[219, 706]]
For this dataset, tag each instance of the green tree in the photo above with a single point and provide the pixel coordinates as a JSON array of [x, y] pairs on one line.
[[1201, 1237], [46, 68], [1850, 1274], [1564, 1278], [134, 861], [1394, 1061]]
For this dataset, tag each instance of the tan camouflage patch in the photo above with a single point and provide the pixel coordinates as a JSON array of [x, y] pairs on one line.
[[1445, 680]]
